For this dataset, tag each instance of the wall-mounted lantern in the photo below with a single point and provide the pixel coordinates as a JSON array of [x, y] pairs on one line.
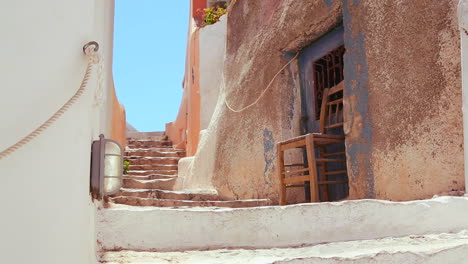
[[106, 167]]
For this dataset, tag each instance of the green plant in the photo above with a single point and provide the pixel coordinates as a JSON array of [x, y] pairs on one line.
[[212, 15], [126, 166]]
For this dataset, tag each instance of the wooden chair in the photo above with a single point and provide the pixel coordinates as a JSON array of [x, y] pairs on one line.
[[316, 170]]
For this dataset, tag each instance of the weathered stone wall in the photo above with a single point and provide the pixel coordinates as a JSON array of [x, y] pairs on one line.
[[403, 84], [402, 96], [242, 150]]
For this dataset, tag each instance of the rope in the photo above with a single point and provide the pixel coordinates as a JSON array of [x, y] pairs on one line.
[[93, 58], [99, 94], [263, 92]]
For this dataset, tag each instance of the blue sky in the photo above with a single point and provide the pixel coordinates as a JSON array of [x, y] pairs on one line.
[[150, 39]]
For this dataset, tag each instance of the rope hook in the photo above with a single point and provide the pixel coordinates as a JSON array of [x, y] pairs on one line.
[[89, 44]]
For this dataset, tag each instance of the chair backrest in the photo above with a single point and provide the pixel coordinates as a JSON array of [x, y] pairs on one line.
[[331, 113]]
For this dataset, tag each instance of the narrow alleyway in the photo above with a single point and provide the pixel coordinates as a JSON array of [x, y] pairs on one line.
[[150, 222], [152, 174]]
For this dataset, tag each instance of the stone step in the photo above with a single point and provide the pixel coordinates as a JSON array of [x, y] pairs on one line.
[[149, 144], [156, 149], [168, 195], [164, 184], [166, 229], [154, 138], [149, 177], [146, 135], [132, 140], [427, 249], [139, 154], [153, 167], [137, 201], [152, 160], [150, 172]]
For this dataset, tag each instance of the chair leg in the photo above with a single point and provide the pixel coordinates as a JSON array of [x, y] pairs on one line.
[[323, 175], [280, 162], [312, 165]]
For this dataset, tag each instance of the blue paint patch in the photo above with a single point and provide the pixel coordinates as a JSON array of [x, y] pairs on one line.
[[328, 2], [293, 95], [291, 104], [268, 150], [356, 80]]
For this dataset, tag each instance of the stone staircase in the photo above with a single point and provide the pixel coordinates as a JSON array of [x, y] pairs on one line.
[[425, 249], [148, 222], [152, 174], [353, 232]]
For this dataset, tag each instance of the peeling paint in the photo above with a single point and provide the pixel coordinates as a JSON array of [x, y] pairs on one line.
[[268, 148], [292, 99], [292, 103], [358, 145]]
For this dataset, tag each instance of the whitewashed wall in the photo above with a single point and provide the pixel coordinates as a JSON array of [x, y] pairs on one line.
[[47, 215], [212, 50], [195, 172]]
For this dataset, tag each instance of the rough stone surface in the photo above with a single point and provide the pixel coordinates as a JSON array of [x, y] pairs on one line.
[[165, 194], [403, 85], [403, 117], [153, 167], [153, 160], [237, 152], [150, 181], [136, 143], [149, 177], [147, 135], [152, 172], [153, 152], [164, 184], [179, 202]]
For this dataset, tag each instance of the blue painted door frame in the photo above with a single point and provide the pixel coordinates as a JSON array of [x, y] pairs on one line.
[[308, 56], [310, 124]]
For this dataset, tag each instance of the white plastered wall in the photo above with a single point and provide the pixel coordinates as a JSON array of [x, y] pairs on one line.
[[195, 173], [47, 214], [212, 50]]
